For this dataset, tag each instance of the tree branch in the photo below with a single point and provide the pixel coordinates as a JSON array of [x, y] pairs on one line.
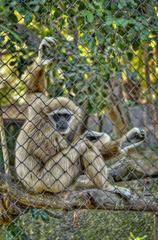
[[88, 198]]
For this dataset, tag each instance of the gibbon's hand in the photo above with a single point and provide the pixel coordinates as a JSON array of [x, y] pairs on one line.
[[45, 50], [93, 135], [132, 139]]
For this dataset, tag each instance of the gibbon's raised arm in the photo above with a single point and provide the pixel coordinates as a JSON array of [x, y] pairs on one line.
[[35, 80]]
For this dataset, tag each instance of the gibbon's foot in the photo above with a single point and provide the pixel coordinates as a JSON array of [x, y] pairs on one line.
[[46, 46], [123, 192], [132, 139]]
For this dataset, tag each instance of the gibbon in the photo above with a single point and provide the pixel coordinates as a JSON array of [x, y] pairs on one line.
[[47, 158]]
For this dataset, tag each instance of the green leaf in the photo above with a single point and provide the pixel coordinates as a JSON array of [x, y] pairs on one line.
[[40, 213], [14, 34], [100, 37], [122, 22], [22, 10], [109, 20], [122, 4], [45, 217], [28, 18], [139, 26], [90, 16], [144, 35]]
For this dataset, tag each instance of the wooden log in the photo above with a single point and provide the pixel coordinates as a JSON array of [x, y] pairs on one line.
[[81, 199], [134, 166]]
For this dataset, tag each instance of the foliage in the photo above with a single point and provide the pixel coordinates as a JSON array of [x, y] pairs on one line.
[[89, 225], [40, 213], [94, 39], [13, 231], [132, 237]]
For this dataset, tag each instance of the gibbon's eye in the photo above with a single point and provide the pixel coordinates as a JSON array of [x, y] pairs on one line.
[[56, 117], [66, 116], [61, 116]]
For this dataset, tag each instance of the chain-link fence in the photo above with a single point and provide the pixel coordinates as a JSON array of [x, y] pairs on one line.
[[78, 123]]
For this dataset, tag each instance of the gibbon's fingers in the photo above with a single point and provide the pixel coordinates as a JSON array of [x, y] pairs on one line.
[[48, 42], [93, 135], [46, 62]]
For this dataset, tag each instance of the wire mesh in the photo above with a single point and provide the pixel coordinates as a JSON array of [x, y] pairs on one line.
[[79, 111]]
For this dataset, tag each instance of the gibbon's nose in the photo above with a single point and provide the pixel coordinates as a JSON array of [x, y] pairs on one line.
[[62, 126]]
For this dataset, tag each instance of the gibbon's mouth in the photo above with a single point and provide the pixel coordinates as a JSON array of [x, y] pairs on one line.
[[63, 131]]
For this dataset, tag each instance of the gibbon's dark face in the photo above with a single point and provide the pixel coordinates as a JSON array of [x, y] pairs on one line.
[[61, 120]]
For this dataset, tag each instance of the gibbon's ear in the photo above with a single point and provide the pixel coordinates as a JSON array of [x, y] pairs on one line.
[[46, 109], [37, 108]]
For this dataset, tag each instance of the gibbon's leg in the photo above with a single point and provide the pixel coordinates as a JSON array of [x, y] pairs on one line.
[[35, 81], [98, 172], [120, 169], [60, 171], [109, 148], [36, 77], [103, 143]]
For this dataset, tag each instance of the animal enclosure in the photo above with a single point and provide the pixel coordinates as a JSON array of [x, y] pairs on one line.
[[78, 120]]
